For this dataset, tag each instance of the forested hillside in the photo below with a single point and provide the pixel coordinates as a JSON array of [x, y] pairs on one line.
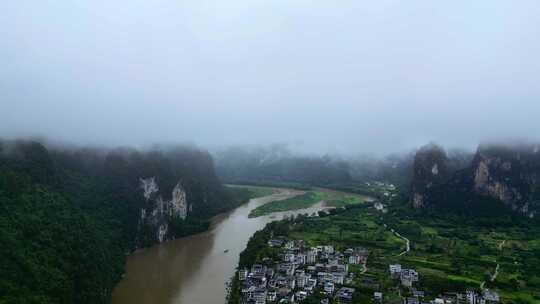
[[500, 178], [69, 216]]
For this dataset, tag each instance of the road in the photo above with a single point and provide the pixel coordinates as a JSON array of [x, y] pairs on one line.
[[407, 241]]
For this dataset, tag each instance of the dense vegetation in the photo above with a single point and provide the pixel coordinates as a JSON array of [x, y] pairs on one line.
[[69, 216], [451, 251], [458, 251]]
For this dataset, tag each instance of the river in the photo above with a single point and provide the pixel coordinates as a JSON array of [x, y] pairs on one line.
[[194, 269]]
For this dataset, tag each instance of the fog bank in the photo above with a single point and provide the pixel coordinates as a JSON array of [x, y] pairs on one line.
[[320, 76]]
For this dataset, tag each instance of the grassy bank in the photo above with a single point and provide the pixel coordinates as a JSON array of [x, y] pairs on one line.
[[273, 184], [243, 193], [306, 200]]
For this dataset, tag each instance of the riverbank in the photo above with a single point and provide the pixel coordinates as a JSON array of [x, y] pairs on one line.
[[183, 270], [326, 197], [344, 228]]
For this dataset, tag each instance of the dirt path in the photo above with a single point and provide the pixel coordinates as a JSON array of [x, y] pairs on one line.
[[493, 277]]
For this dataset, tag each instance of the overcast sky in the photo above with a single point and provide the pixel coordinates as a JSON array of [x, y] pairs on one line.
[[323, 75]]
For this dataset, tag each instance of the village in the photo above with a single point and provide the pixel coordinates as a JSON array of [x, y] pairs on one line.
[[301, 271]]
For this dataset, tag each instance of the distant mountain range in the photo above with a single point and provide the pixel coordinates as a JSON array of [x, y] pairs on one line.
[[275, 165]]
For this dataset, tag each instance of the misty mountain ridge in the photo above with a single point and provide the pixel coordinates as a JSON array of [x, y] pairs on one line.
[[276, 165], [498, 178], [503, 175]]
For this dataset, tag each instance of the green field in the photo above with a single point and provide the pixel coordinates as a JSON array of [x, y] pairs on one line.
[[308, 199], [302, 201], [248, 192]]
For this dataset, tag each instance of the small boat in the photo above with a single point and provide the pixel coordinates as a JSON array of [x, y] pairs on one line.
[[226, 250]]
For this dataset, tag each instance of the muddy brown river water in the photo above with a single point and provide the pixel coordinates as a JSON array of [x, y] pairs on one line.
[[194, 269]]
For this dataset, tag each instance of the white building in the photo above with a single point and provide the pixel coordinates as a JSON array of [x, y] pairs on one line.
[[289, 257], [338, 278], [329, 287], [355, 259], [395, 269], [243, 274], [301, 296], [408, 277], [259, 296], [300, 259], [471, 296], [289, 245], [301, 281], [311, 257], [271, 296], [328, 249]]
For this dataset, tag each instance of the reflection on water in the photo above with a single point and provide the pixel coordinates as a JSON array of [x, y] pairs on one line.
[[194, 270]]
